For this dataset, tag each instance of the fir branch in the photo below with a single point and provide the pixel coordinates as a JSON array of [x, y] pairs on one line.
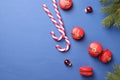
[[113, 12], [117, 69], [115, 75], [117, 20], [108, 1], [111, 8], [112, 76], [109, 20], [104, 1]]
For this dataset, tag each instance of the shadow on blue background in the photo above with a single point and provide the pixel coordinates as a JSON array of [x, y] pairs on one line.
[[27, 50]]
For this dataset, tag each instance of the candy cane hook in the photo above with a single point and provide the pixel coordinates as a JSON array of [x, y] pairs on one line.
[[54, 22], [67, 47]]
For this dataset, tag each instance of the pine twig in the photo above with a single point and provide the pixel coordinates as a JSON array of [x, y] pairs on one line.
[[109, 20], [115, 75], [113, 12]]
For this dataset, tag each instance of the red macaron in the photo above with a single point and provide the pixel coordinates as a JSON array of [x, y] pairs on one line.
[[65, 4], [86, 71], [94, 49], [105, 56], [77, 33]]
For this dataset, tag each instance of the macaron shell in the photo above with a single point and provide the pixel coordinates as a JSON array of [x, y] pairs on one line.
[[86, 68], [86, 73]]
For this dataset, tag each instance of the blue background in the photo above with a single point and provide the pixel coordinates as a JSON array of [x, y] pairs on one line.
[[27, 50]]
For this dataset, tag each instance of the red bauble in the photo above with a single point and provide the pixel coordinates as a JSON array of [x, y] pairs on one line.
[[65, 4], [88, 9], [94, 49], [67, 62], [77, 33], [86, 71], [105, 56]]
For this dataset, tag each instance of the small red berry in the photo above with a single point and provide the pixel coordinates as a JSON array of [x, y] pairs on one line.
[[88, 9], [67, 62]]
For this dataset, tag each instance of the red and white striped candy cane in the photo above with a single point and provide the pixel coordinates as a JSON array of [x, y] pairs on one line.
[[59, 26], [54, 22], [58, 14]]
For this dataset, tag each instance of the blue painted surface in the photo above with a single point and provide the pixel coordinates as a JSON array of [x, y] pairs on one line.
[[27, 51]]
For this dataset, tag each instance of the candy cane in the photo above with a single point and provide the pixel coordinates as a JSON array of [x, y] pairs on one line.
[[58, 14], [54, 22], [59, 26]]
